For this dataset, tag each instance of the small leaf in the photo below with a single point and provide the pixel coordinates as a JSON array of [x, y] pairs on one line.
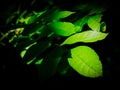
[[62, 28], [34, 18], [25, 50], [39, 61], [85, 61], [86, 37], [62, 14], [103, 26], [94, 22]]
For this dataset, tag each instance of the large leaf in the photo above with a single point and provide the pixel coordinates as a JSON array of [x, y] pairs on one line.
[[48, 66], [86, 37], [85, 61], [94, 22], [62, 28]]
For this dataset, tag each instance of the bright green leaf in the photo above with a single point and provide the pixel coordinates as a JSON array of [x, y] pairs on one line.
[[62, 14], [62, 28], [103, 26], [94, 22], [39, 61], [85, 61], [23, 53], [86, 37]]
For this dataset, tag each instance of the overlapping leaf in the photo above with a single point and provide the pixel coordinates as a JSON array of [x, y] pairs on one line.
[[86, 37], [81, 22], [62, 28], [36, 50], [94, 22]]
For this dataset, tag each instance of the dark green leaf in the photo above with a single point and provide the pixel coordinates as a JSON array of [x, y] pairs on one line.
[[81, 22], [32, 29], [50, 62], [34, 18], [97, 10], [36, 50]]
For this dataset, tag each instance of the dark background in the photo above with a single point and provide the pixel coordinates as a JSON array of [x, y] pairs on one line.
[[14, 73]]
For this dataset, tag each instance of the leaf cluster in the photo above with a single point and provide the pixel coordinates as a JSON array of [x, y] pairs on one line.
[[43, 35]]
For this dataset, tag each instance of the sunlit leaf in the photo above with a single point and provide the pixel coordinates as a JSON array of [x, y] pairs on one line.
[[61, 14], [86, 37], [23, 53], [103, 26], [62, 28], [50, 62], [39, 61], [94, 22], [85, 61]]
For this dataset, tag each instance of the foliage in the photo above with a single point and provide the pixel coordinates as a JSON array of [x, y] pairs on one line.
[[48, 37]]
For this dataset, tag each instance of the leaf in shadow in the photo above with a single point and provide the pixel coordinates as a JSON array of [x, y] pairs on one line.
[[36, 50], [50, 62]]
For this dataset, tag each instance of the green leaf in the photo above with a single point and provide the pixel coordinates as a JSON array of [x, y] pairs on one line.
[[63, 67], [35, 50], [50, 62], [25, 50], [62, 28], [97, 10], [61, 14], [81, 22], [94, 22], [86, 37], [22, 42], [34, 18], [85, 61], [39, 61], [103, 26]]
